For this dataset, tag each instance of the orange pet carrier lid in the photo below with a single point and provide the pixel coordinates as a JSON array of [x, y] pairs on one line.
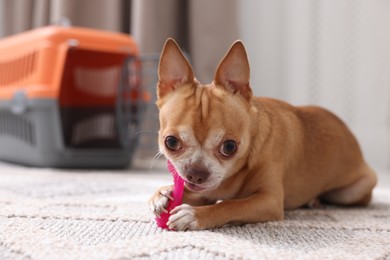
[[34, 61]]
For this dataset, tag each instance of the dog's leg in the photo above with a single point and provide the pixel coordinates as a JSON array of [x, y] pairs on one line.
[[259, 207], [356, 194]]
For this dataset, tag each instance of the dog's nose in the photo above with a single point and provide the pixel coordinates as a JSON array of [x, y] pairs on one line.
[[197, 175]]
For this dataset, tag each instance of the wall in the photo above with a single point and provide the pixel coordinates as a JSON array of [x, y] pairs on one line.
[[1, 19]]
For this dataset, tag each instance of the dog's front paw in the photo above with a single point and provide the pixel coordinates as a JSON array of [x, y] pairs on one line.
[[159, 201], [183, 218]]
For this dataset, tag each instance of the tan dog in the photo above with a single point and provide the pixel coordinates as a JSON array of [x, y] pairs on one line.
[[246, 159]]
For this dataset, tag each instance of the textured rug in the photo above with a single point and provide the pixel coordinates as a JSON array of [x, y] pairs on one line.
[[58, 214]]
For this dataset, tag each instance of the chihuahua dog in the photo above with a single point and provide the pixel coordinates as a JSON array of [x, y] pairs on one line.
[[246, 159]]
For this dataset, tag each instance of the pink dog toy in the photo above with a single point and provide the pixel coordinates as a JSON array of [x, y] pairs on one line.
[[177, 195]]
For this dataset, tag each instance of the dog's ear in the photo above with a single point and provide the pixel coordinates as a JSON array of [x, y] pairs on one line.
[[173, 70], [233, 72]]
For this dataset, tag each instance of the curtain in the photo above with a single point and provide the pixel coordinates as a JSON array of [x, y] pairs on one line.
[[20, 15], [203, 28]]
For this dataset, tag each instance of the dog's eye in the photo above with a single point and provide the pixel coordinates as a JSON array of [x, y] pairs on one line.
[[172, 143], [228, 148]]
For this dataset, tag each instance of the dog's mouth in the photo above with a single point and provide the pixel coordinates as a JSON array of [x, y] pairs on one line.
[[193, 187]]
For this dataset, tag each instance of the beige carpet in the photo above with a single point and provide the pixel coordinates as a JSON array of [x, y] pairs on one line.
[[57, 214]]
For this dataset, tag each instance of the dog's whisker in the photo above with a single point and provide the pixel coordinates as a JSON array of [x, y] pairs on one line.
[[154, 160], [144, 132]]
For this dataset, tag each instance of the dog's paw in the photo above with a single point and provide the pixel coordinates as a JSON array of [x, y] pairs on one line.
[[315, 204], [159, 201], [183, 218]]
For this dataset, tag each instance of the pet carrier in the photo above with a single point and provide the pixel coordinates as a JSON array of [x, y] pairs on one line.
[[59, 92]]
